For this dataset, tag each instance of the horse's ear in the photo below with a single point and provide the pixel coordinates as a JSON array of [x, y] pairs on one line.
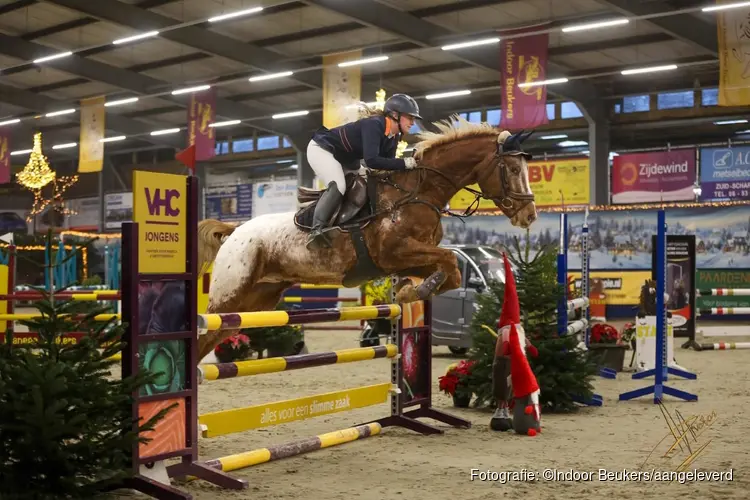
[[522, 137]]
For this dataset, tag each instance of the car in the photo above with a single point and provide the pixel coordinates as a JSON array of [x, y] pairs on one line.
[[453, 310], [11, 222]]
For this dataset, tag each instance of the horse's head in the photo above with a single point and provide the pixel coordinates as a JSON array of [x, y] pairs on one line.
[[506, 180]]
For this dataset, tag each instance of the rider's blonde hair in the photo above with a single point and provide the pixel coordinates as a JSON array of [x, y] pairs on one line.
[[366, 111]]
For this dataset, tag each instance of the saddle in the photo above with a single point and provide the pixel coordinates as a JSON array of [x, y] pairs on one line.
[[360, 201]]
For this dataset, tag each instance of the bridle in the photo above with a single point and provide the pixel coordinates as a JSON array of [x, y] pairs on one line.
[[511, 202]]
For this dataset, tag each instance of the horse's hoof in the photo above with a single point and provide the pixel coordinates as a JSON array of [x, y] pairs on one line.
[[406, 294], [428, 287]]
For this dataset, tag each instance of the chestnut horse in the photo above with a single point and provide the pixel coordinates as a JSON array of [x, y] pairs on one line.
[[255, 262]]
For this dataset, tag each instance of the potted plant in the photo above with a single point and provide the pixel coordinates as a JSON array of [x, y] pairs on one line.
[[235, 348], [454, 383], [606, 346]]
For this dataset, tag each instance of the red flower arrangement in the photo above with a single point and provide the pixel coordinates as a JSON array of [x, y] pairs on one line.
[[233, 348], [450, 381], [602, 333]]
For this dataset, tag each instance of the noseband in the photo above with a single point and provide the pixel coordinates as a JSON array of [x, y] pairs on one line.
[[511, 202]]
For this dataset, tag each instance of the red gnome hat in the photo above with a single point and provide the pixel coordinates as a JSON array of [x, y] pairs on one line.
[[521, 376], [511, 312]]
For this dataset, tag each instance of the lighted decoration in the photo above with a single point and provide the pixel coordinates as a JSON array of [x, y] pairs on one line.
[[380, 99], [37, 175]]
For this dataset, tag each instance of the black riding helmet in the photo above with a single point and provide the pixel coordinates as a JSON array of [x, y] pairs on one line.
[[402, 104]]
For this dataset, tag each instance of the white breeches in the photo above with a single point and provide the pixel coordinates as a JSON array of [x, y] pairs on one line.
[[326, 166]]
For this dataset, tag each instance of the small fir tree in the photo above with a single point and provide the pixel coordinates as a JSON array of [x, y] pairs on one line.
[[66, 426], [564, 373]]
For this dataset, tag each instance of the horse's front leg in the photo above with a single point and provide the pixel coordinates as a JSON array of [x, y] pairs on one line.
[[437, 266]]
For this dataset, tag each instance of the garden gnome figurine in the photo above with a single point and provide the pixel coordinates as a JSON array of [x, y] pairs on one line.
[[527, 414], [510, 319]]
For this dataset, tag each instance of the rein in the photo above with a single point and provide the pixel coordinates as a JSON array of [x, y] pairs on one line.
[[507, 202]]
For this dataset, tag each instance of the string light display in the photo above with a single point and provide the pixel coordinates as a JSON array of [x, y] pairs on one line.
[[101, 236], [84, 253], [36, 174]]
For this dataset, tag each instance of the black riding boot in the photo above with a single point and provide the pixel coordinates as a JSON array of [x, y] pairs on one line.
[[324, 210]]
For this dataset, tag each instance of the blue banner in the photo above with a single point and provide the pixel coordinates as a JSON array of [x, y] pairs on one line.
[[725, 173], [229, 203]]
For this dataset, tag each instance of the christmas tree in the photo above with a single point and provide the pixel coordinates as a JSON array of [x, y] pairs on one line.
[[66, 424], [564, 373]]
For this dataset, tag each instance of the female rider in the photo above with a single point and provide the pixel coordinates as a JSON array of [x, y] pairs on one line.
[[373, 139]]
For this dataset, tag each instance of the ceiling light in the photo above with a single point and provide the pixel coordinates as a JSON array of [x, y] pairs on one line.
[[134, 38], [165, 131], [726, 6], [592, 26], [21, 152], [550, 137], [10, 122], [638, 71], [463, 45], [448, 94], [568, 144], [232, 15], [58, 113], [730, 122], [225, 124], [290, 114], [65, 146], [362, 61], [542, 82], [740, 132], [260, 78], [52, 57], [113, 139], [120, 102], [188, 90]]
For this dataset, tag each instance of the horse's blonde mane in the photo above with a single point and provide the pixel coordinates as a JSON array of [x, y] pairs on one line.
[[453, 129]]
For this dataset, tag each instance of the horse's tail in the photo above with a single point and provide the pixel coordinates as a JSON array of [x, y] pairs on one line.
[[211, 234]]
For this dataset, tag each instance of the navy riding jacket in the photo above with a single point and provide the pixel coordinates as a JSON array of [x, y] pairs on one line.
[[367, 139]]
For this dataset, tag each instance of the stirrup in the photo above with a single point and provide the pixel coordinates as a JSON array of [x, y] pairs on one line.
[[318, 238]]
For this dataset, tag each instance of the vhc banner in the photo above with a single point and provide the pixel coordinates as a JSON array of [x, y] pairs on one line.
[[654, 177], [725, 173], [159, 203]]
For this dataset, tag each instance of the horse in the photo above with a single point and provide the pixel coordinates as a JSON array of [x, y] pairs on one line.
[[389, 224]]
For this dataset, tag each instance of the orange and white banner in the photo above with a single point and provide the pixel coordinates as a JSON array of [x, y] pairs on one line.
[[91, 148], [734, 55]]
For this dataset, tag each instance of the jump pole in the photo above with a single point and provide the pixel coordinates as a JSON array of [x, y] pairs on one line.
[[160, 245], [662, 368], [565, 306]]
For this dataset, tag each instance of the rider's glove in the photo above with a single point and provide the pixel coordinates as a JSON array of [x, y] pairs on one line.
[[410, 163]]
